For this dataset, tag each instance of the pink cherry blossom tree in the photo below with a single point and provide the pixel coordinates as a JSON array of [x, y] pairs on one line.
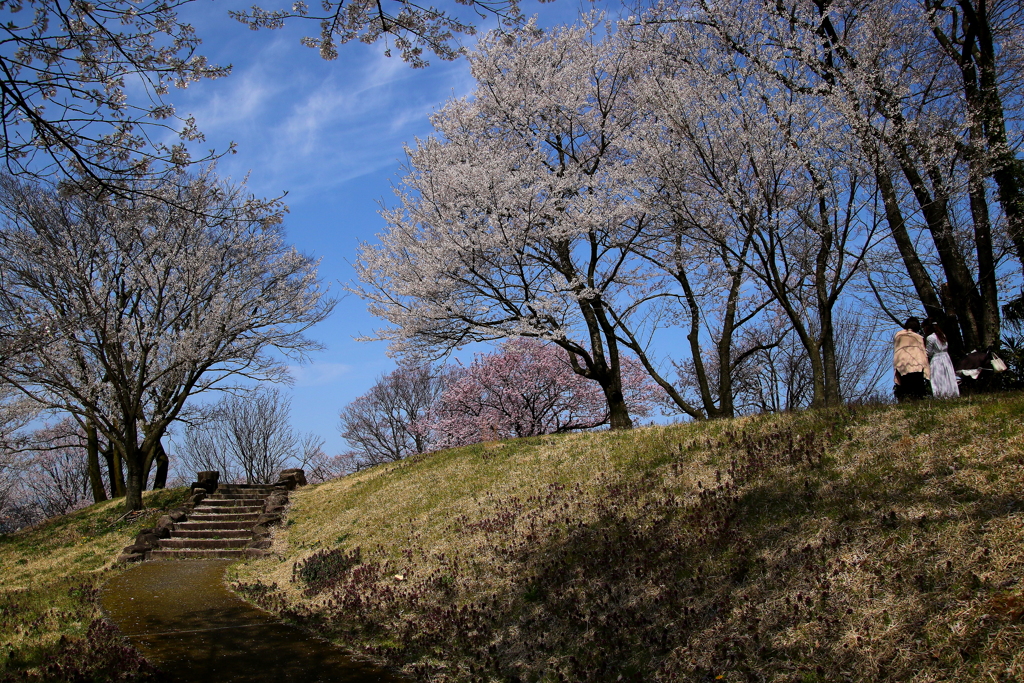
[[527, 388]]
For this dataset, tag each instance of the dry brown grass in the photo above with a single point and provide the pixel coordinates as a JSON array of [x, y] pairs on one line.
[[51, 628], [879, 545]]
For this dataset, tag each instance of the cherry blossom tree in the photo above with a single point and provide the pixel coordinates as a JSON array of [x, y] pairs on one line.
[[56, 470], [43, 473], [931, 92], [982, 41], [522, 217], [690, 147], [527, 388], [83, 87], [776, 161], [411, 26], [117, 310], [711, 166], [16, 412]]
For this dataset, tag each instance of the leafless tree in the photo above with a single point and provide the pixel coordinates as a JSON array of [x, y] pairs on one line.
[[380, 425], [199, 448], [313, 459], [248, 437], [256, 433], [864, 354], [778, 378]]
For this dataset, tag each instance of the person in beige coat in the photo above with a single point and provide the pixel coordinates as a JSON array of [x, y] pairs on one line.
[[910, 359]]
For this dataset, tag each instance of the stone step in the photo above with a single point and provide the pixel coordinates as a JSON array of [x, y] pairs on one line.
[[203, 543], [244, 493], [261, 489], [212, 526], [232, 506], [220, 526], [225, 517], [231, 502], [251, 518], [212, 533], [208, 554], [203, 512]]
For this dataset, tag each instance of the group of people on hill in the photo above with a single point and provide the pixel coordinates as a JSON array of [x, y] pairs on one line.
[[921, 358]]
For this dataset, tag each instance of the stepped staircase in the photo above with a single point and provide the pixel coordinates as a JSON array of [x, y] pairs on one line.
[[220, 527]]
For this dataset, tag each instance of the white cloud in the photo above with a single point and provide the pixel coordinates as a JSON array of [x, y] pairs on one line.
[[318, 374], [306, 126]]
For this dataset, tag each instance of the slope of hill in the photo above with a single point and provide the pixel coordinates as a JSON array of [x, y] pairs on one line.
[[879, 544], [51, 628]]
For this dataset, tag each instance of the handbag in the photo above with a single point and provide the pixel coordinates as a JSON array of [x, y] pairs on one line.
[[998, 364]]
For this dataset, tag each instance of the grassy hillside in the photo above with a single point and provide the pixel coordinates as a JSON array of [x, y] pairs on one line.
[[50, 624], [883, 544]]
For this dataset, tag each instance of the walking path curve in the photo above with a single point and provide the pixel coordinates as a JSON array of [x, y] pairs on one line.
[[185, 620]]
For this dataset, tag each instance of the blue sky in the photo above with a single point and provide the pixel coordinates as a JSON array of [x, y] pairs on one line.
[[331, 135]]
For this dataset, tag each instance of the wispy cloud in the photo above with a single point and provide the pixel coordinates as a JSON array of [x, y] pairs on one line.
[[307, 126], [318, 374]]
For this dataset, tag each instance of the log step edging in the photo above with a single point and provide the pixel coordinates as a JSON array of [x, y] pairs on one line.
[[233, 554], [203, 543], [212, 526], [244, 532]]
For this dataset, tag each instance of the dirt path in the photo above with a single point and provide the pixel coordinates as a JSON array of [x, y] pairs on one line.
[[183, 618]]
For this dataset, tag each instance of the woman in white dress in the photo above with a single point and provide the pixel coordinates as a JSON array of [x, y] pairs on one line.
[[943, 375]]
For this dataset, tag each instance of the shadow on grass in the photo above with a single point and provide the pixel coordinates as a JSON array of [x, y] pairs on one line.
[[805, 559]]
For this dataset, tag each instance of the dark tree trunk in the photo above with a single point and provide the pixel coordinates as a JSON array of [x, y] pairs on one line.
[[115, 470], [600, 365], [826, 335], [934, 207], [989, 332], [92, 450], [829, 362], [136, 480], [611, 383], [162, 462], [155, 456], [975, 53], [618, 411], [915, 269], [1007, 169]]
